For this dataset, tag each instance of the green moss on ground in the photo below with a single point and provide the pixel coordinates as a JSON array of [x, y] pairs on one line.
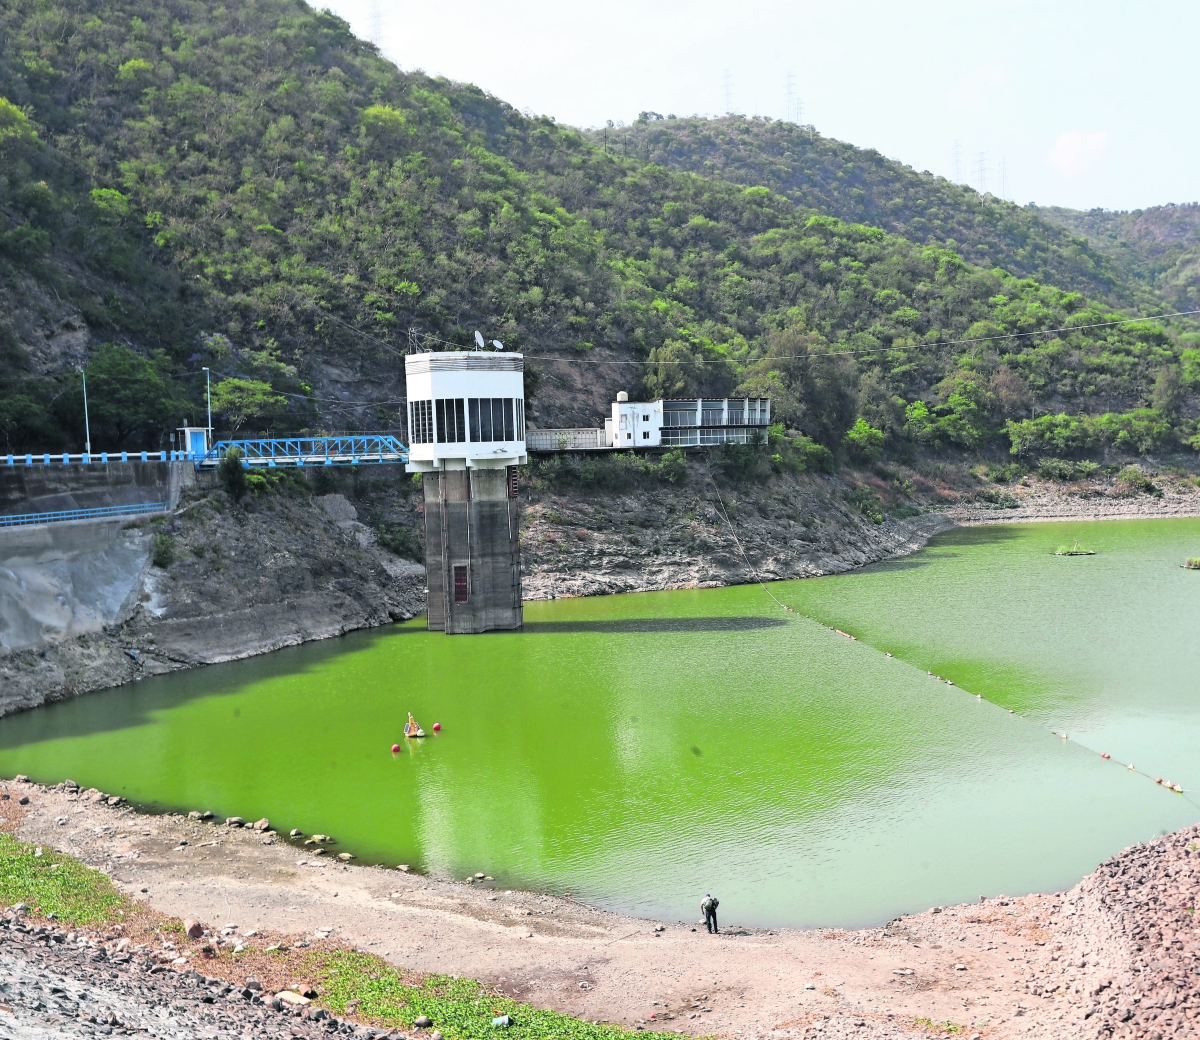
[[51, 883], [460, 1008]]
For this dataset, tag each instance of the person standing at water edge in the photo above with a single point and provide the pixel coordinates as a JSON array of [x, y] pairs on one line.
[[709, 905]]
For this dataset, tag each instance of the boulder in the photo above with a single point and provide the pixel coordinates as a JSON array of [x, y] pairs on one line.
[[422, 1021], [193, 928], [234, 821], [345, 857], [288, 996], [262, 825]]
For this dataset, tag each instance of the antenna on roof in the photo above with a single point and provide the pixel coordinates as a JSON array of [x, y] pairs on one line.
[[479, 339], [497, 344]]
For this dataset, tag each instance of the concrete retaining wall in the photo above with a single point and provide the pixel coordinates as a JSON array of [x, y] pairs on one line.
[[48, 489]]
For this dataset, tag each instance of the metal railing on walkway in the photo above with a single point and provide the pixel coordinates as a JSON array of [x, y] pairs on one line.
[[309, 451], [98, 513], [573, 439], [102, 458]]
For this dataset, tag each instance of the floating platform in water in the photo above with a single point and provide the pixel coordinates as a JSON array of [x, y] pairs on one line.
[[1075, 550]]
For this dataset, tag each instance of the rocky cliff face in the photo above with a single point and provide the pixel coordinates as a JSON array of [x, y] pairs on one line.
[[230, 582], [695, 535]]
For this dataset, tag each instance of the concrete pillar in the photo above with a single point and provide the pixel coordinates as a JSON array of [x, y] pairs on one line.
[[472, 551]]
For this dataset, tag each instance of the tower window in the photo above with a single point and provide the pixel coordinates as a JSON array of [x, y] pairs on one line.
[[645, 435], [460, 584]]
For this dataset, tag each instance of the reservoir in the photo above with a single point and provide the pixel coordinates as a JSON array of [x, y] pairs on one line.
[[641, 750]]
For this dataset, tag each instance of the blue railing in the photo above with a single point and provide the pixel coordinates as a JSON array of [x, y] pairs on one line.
[[310, 451], [101, 457], [99, 513]]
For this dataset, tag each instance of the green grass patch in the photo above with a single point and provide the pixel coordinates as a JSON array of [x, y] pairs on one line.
[[460, 1008], [56, 884]]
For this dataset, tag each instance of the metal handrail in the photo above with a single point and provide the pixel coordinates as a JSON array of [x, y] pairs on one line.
[[309, 451], [98, 513]]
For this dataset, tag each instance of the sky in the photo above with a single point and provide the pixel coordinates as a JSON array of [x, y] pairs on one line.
[[1058, 102]]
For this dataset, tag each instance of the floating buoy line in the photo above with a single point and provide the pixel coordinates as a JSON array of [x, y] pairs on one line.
[[1075, 550]]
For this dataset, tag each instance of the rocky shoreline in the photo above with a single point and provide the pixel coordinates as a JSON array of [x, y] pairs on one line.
[[1117, 956]]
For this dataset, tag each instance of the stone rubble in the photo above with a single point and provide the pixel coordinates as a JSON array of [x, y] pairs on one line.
[[56, 984]]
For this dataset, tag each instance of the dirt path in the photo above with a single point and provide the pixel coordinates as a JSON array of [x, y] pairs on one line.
[[984, 968]]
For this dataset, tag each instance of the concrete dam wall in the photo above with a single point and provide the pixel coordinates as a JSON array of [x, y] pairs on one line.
[[54, 488]]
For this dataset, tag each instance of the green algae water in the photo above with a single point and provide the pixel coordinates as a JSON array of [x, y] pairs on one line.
[[641, 750]]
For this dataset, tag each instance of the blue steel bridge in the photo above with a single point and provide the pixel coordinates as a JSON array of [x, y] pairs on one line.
[[308, 451], [360, 450]]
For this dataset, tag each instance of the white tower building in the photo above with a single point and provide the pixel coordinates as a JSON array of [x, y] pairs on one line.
[[466, 424]]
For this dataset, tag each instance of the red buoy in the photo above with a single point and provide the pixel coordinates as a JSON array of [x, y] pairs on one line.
[[395, 748], [437, 726]]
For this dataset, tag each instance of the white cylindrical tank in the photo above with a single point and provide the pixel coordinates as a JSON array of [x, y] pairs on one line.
[[466, 409]]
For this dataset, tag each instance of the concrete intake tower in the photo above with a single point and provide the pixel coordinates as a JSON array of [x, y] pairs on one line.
[[466, 430]]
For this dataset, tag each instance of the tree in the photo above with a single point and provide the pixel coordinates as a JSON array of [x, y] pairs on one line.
[[242, 399], [864, 442], [1168, 393], [130, 402], [1012, 391], [815, 388], [688, 367], [232, 474]]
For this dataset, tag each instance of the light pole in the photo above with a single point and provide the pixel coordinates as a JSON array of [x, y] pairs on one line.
[[87, 428], [208, 391]]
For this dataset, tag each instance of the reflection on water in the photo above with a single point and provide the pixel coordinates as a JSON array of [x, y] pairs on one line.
[[644, 749]]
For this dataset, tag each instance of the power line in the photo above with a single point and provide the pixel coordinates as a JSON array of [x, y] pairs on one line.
[[981, 171]]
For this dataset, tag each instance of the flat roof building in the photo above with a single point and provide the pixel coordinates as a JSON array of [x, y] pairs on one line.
[[665, 423]]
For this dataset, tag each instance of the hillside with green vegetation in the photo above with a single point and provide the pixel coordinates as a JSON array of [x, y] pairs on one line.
[[1159, 246], [860, 185], [249, 187]]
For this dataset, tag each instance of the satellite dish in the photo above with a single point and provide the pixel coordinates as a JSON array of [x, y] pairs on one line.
[[497, 344], [479, 339]]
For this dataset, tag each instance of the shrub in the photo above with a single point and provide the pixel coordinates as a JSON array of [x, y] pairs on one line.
[[400, 541], [737, 462], [864, 442], [1132, 480], [622, 469], [863, 500], [232, 474], [1008, 473], [1142, 430], [163, 554], [799, 453], [1056, 469]]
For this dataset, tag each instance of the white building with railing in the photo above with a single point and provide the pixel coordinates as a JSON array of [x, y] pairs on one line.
[[693, 422]]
